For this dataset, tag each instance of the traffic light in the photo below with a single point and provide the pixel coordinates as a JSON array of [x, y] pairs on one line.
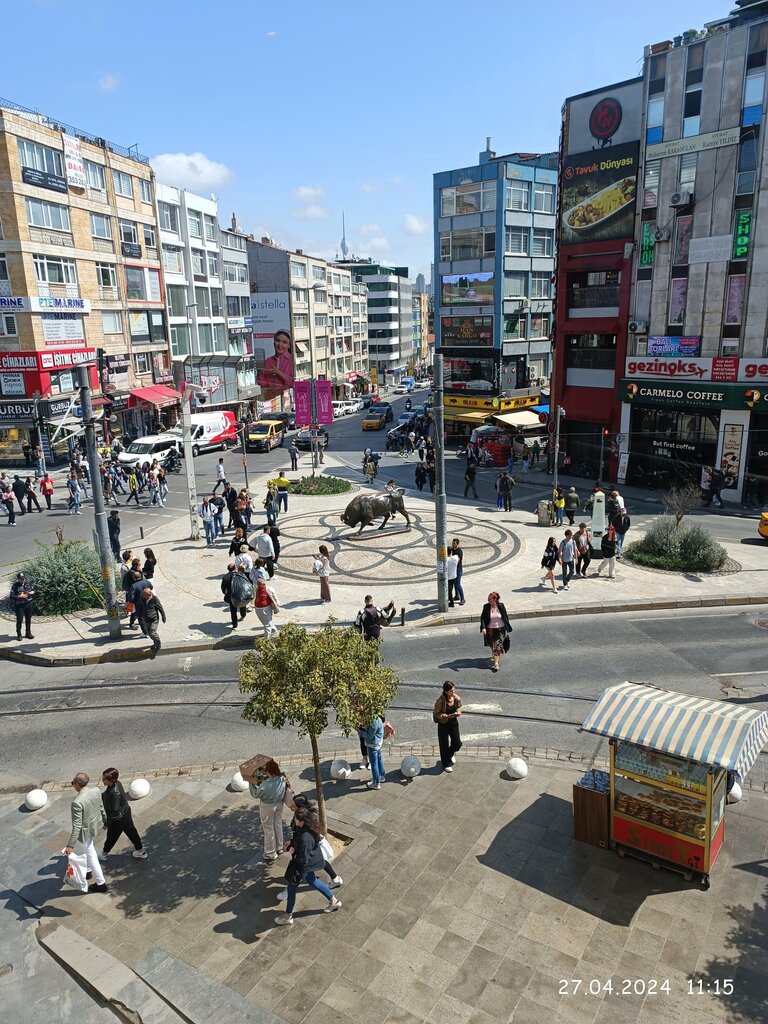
[[606, 431]]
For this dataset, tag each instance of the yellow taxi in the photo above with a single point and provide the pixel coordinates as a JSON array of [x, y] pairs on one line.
[[374, 420], [762, 526]]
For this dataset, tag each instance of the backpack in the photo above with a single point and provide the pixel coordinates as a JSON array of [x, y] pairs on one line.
[[358, 623], [240, 590]]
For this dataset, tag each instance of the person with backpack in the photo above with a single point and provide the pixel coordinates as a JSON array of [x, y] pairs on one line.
[[306, 858], [370, 620], [237, 590], [119, 818], [266, 606], [549, 563], [446, 715]]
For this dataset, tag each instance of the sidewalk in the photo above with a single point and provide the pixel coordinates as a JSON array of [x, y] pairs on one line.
[[502, 552], [465, 901]]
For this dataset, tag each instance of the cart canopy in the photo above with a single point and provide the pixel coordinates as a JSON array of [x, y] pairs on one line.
[[710, 732]]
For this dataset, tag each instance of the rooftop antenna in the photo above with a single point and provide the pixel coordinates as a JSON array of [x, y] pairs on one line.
[[344, 248]]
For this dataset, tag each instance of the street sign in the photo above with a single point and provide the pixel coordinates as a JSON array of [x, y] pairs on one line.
[[551, 426], [543, 417]]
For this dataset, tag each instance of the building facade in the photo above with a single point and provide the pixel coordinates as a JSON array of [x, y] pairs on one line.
[[80, 280], [420, 311]]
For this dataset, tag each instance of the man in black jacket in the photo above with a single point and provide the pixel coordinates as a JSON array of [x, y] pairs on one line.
[[230, 496], [19, 488], [113, 525], [21, 596], [226, 587], [469, 478], [150, 612]]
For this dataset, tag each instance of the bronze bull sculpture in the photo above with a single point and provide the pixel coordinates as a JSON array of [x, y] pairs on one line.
[[365, 508]]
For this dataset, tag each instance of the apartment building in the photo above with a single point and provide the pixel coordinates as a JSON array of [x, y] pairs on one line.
[[80, 281], [420, 314]]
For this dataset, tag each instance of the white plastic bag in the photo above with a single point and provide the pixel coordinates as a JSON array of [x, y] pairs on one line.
[[76, 871], [326, 849]]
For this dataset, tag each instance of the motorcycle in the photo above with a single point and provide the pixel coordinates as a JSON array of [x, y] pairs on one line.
[[173, 463]]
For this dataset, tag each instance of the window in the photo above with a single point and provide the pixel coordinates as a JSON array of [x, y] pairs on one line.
[[651, 184], [173, 260], [519, 196], [169, 217], [213, 264], [149, 236], [591, 351], [298, 269], [135, 285], [347, 323], [300, 320], [299, 294], [754, 87], [203, 300], [101, 226], [730, 347], [210, 227], [128, 232], [539, 325], [473, 197], [8, 327], [543, 198], [514, 327], [177, 300], [195, 222], [106, 275], [219, 338], [112, 321], [655, 122], [734, 305], [543, 242], [94, 175], [541, 285], [692, 110], [468, 244], [688, 164], [516, 241], [153, 282], [321, 320], [593, 290], [40, 158], [146, 190], [123, 184], [141, 362], [657, 71], [205, 335], [318, 273], [235, 272], [198, 263], [49, 270], [216, 308], [3, 268], [179, 340], [47, 215], [515, 285]]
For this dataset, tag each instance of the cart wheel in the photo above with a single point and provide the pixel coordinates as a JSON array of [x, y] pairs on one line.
[[705, 882]]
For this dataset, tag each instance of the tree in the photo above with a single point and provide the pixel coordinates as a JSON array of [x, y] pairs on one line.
[[680, 499], [298, 678]]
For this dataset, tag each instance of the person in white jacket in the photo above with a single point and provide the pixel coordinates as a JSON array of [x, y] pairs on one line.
[[266, 605]]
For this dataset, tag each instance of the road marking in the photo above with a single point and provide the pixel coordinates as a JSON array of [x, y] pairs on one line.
[[479, 709], [476, 737], [171, 745], [432, 631], [185, 664], [727, 675]]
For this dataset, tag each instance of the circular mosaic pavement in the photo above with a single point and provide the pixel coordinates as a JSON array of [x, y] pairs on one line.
[[392, 555]]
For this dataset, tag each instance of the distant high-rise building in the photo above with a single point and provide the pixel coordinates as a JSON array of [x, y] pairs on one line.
[[420, 285]]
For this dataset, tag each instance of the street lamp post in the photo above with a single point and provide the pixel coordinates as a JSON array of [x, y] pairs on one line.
[[187, 390], [441, 511]]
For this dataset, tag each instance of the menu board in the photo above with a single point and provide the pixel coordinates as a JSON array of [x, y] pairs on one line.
[[674, 771]]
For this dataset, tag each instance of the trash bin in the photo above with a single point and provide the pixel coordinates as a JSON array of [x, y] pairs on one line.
[[543, 513]]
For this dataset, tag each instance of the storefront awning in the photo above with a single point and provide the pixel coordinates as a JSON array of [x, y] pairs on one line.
[[466, 417], [540, 408], [711, 732], [159, 395], [521, 419], [354, 377]]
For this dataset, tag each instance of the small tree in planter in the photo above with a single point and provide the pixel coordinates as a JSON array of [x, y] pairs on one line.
[[66, 577], [297, 678]]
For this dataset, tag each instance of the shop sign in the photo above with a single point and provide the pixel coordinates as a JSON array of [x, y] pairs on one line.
[[722, 369], [115, 374], [714, 249], [466, 331], [73, 161], [132, 250], [498, 404], [12, 384], [742, 233], [65, 360], [12, 412], [601, 120], [235, 322], [118, 402], [647, 243], [598, 195], [690, 396], [18, 361], [41, 179], [667, 345], [697, 144], [53, 303], [63, 328]]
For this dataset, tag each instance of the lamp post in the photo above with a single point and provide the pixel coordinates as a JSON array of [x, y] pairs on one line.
[[441, 511], [187, 390]]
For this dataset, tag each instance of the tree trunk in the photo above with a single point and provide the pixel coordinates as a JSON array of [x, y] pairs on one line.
[[318, 782]]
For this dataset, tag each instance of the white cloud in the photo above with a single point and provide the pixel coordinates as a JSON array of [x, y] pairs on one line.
[[193, 171], [271, 35], [369, 229], [108, 83], [308, 193], [377, 244], [369, 187], [413, 225], [311, 212]]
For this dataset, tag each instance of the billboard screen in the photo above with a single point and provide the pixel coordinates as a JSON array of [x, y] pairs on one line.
[[272, 342], [598, 195], [466, 331], [474, 289], [604, 119], [477, 375]]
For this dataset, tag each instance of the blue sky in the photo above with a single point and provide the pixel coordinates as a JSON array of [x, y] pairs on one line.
[[293, 112]]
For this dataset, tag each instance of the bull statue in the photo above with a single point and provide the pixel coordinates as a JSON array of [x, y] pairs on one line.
[[365, 508]]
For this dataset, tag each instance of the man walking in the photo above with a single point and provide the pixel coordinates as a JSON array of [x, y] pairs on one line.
[[371, 618], [293, 451], [572, 504], [88, 819], [457, 550], [113, 525], [505, 484], [150, 612], [221, 476], [715, 486], [266, 550], [218, 504], [21, 598], [230, 497], [282, 484], [470, 474], [226, 589], [566, 556], [19, 488], [451, 569], [74, 495]]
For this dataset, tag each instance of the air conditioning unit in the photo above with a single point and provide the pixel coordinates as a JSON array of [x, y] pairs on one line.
[[681, 199], [662, 234], [638, 327], [524, 303]]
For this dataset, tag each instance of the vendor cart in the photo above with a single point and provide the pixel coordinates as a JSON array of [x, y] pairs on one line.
[[670, 759]]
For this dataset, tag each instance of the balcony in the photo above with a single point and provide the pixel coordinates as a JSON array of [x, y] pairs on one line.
[[51, 237], [103, 245], [109, 291], [58, 291]]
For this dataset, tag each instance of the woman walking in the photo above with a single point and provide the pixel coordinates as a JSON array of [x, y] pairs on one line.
[[608, 551], [162, 485], [549, 562], [583, 549], [446, 714], [119, 816], [495, 627], [271, 794], [336, 881], [322, 568], [150, 564], [373, 736], [265, 603], [306, 858]]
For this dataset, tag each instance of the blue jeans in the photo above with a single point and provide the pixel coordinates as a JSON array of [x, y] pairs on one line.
[[282, 500], [312, 880], [376, 761], [567, 572], [457, 585], [619, 542], [210, 532], [558, 517], [218, 522]]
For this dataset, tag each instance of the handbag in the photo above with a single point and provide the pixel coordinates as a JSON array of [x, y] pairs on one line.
[[75, 872], [506, 643], [326, 849], [130, 607]]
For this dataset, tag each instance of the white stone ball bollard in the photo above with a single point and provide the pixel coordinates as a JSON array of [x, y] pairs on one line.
[[35, 799], [238, 783], [410, 766], [517, 768], [340, 769], [733, 797], [138, 789]]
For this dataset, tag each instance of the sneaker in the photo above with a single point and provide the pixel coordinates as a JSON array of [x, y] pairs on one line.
[[335, 883], [372, 785], [453, 759], [98, 888], [139, 854], [270, 860], [284, 919], [282, 895], [101, 855], [363, 764], [566, 587], [336, 905], [448, 769]]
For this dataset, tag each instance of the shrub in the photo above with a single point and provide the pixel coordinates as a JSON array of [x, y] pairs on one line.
[[321, 485], [677, 546], [67, 578]]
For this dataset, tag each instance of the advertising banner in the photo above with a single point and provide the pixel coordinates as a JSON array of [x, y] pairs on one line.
[[696, 144], [605, 119], [713, 249], [12, 384], [63, 328], [598, 195], [41, 179], [324, 399], [474, 289], [674, 346], [273, 342], [466, 331], [730, 460], [302, 402], [73, 162], [722, 369], [270, 312], [689, 396], [117, 372]]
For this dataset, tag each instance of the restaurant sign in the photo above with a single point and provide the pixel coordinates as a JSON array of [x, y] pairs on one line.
[[689, 396]]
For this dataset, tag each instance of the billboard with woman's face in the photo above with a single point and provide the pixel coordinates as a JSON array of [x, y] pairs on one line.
[[276, 373]]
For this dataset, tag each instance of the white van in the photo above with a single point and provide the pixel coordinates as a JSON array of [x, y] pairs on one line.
[[210, 430], [149, 448], [340, 409]]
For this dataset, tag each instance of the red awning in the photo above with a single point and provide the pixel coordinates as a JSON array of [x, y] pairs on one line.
[[354, 377], [159, 395]]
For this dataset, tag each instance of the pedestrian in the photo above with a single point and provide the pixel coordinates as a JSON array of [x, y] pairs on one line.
[[162, 486], [431, 472], [218, 505], [373, 736], [621, 524], [39, 462], [29, 494], [446, 715], [237, 607], [152, 489], [420, 476], [266, 605], [26, 449], [293, 451], [470, 473], [451, 571], [370, 620], [306, 858], [271, 506], [548, 563], [7, 499], [244, 561], [113, 526], [282, 484], [457, 549], [46, 488], [150, 612], [716, 483], [558, 500], [206, 514], [133, 487], [259, 571], [583, 549], [566, 556], [495, 627], [505, 485], [237, 542], [336, 881], [19, 489], [266, 549], [88, 819], [135, 584], [125, 567], [572, 504], [526, 460], [322, 567], [83, 477], [119, 817], [221, 475], [536, 452], [499, 496], [608, 551], [150, 564], [22, 595], [422, 448], [272, 793]]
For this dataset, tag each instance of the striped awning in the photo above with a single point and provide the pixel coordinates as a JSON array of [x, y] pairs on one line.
[[709, 732]]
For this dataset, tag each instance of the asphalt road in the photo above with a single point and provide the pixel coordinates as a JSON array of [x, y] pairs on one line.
[[56, 721]]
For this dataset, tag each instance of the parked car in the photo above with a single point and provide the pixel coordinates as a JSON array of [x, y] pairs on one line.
[[149, 448], [288, 419], [340, 409], [303, 439], [264, 435], [352, 405], [387, 409], [374, 419]]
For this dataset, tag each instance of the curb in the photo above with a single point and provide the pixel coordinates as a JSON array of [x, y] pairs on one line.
[[236, 643]]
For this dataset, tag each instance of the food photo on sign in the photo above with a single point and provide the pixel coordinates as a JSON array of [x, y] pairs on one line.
[[599, 194]]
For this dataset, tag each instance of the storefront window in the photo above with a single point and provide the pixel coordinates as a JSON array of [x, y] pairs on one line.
[[469, 374], [591, 351], [670, 446]]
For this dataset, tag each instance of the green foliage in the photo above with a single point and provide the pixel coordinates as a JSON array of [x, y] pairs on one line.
[[320, 485], [669, 544], [67, 578]]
